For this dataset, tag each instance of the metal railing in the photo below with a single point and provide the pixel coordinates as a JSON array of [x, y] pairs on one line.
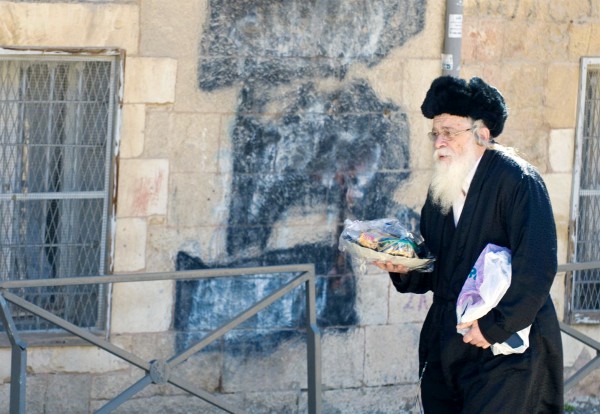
[[568, 330], [159, 371]]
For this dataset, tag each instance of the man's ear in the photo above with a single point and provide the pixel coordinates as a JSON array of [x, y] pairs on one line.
[[482, 133]]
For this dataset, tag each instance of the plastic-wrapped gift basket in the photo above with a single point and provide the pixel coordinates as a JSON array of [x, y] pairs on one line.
[[385, 240]]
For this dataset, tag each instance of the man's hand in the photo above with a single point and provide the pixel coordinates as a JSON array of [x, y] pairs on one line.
[[474, 336], [392, 268]]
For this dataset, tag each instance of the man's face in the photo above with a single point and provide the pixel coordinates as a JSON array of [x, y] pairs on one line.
[[453, 136]]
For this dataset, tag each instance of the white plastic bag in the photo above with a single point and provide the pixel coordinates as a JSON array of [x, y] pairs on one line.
[[487, 282]]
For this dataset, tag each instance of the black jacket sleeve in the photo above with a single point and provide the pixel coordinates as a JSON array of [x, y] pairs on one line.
[[529, 223]]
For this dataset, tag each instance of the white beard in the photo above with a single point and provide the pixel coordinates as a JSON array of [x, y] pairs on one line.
[[449, 176]]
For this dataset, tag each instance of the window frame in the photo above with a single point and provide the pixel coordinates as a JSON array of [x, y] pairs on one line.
[[105, 264], [572, 313]]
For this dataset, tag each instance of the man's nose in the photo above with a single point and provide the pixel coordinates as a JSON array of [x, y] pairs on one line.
[[440, 142]]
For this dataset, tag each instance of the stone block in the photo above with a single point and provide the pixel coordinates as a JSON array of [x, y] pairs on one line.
[[143, 187], [163, 243], [272, 402], [194, 144], [562, 90], [202, 369], [171, 404], [343, 357], [421, 148], [198, 199], [73, 359], [533, 151], [130, 245], [395, 399], [565, 12], [371, 297], [5, 355], [150, 80], [171, 29], [191, 141], [302, 226], [391, 354], [426, 44], [561, 150], [4, 398], [142, 306], [68, 394], [522, 85], [37, 393], [385, 78], [535, 41], [557, 292], [412, 192], [594, 45], [559, 188], [109, 385], [572, 350], [532, 117], [247, 369], [482, 41], [83, 25], [418, 75], [408, 307], [580, 40], [160, 127], [133, 124], [191, 98]]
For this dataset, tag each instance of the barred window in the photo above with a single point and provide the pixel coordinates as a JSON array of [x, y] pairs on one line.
[[584, 286], [57, 133]]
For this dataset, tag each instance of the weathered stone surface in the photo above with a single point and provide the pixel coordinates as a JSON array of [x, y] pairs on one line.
[[371, 297], [130, 245], [132, 131], [560, 100], [343, 358], [398, 399], [143, 187], [208, 128], [72, 359], [169, 30], [142, 306], [391, 354], [247, 367], [278, 42], [97, 26], [68, 394], [150, 80]]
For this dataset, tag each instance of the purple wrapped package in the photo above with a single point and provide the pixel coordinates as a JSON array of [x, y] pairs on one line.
[[486, 284]]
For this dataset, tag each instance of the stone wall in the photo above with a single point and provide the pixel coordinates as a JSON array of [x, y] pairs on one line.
[[250, 131]]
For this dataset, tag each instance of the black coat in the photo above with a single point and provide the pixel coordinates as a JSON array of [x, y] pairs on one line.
[[508, 205]]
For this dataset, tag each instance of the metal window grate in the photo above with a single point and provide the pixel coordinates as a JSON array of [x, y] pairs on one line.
[[585, 234], [56, 139]]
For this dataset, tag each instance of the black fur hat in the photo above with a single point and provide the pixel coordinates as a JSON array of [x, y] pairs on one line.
[[476, 99]]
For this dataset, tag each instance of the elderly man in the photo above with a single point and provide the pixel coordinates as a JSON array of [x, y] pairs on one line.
[[482, 193]]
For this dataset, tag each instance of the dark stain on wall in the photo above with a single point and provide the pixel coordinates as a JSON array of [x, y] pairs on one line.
[[280, 41], [300, 149]]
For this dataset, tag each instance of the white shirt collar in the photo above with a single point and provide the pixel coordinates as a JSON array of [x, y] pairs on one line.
[[459, 203]]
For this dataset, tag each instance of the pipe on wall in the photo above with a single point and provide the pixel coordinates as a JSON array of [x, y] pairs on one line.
[[453, 38]]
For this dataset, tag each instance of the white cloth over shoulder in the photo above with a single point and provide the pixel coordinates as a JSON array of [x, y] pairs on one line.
[[486, 284]]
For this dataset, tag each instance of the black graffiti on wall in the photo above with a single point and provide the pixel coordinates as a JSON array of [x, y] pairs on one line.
[[307, 142]]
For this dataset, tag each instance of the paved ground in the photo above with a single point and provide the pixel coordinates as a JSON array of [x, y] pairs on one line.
[[583, 405]]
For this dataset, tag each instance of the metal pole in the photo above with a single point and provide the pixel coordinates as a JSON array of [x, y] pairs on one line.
[[453, 38], [313, 347], [18, 362]]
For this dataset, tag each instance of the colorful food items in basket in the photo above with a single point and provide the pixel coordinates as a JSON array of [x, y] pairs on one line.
[[387, 243]]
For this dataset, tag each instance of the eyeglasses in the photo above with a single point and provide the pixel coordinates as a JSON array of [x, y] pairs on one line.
[[447, 136]]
